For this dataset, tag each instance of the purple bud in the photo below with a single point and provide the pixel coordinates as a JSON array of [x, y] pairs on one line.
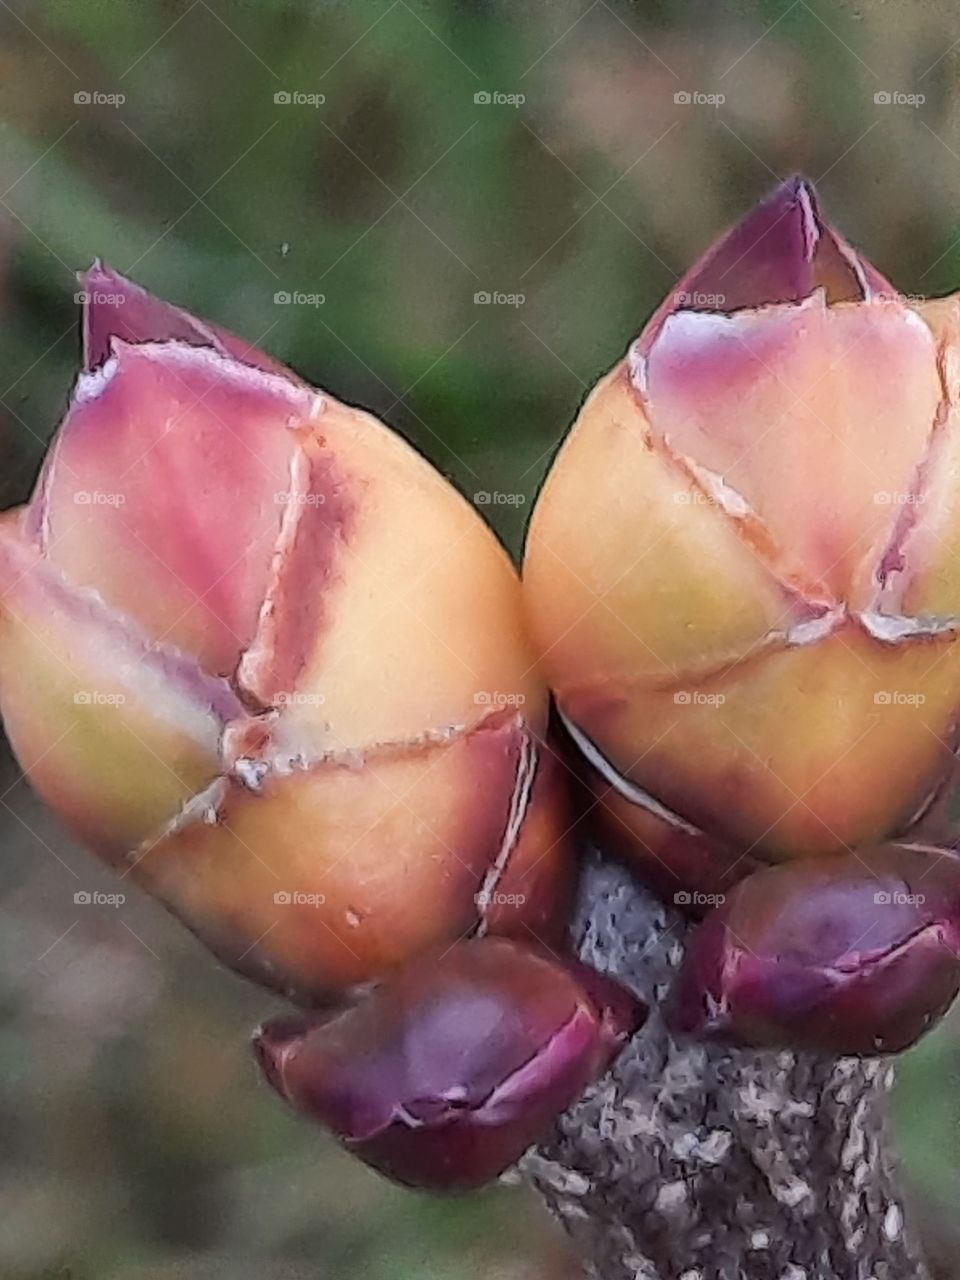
[[443, 1074], [851, 954]]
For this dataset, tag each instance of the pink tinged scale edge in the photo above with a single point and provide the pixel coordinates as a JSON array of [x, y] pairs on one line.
[[747, 332], [314, 529], [807, 412]]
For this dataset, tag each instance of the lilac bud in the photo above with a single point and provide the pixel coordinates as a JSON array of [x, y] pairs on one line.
[[443, 1074], [856, 954]]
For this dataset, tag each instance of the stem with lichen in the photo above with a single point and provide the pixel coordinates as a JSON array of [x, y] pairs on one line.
[[695, 1162]]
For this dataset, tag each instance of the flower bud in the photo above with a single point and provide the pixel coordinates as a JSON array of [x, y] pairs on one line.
[[260, 656], [741, 572], [853, 954], [445, 1073]]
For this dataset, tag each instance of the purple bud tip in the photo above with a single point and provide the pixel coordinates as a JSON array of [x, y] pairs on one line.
[[856, 954], [115, 307], [442, 1075], [780, 252]]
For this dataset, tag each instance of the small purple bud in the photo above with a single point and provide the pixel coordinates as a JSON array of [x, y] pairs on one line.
[[852, 954], [443, 1074]]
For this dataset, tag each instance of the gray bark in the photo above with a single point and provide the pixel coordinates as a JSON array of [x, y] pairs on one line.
[[694, 1162]]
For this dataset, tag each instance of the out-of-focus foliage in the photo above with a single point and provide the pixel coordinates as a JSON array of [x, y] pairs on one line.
[[136, 1143]]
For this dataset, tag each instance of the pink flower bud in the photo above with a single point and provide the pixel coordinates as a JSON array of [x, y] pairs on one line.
[[264, 659], [742, 570]]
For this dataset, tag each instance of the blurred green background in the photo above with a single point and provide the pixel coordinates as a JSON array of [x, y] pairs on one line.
[[537, 152]]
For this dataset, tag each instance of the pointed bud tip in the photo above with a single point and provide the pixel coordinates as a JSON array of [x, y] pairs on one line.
[[115, 306], [781, 251]]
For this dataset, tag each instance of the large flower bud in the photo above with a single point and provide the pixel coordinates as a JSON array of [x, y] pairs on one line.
[[742, 571], [446, 1072], [851, 953], [261, 657]]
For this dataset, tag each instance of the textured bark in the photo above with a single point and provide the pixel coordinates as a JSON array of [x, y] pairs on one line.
[[689, 1162]]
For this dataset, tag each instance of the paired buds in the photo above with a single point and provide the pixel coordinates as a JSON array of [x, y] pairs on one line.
[[263, 658]]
